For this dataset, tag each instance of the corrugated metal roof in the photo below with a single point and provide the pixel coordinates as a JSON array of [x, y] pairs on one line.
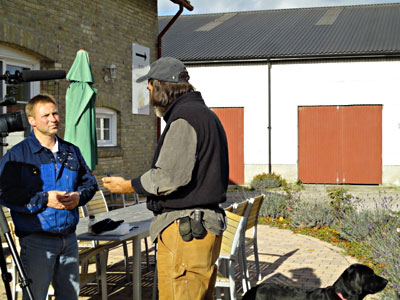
[[362, 30]]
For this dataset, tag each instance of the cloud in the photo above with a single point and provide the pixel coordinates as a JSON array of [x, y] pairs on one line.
[[321, 3], [213, 6], [166, 7]]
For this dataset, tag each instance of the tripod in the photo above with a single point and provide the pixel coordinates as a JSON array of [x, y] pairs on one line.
[[24, 281]]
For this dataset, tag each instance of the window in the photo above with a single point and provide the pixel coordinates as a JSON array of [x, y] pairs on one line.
[[106, 127]]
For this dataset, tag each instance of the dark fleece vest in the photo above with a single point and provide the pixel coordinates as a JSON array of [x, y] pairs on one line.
[[210, 176]]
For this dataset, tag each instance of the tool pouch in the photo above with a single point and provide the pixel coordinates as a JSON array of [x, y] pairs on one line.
[[198, 230], [191, 228], [185, 229]]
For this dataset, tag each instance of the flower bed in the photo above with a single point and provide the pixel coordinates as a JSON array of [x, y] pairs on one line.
[[368, 229]]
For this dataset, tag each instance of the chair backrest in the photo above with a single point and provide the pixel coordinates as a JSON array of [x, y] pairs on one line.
[[229, 208], [81, 212], [240, 208], [231, 236], [95, 206], [7, 214], [256, 203], [11, 226]]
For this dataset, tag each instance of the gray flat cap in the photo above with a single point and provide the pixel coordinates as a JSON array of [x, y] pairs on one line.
[[166, 69]]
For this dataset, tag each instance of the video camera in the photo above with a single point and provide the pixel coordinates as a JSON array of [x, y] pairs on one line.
[[11, 122], [14, 121], [17, 121]]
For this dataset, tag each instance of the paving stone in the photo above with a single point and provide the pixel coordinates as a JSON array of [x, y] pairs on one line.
[[285, 258]]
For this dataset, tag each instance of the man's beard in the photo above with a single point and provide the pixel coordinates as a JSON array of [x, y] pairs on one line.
[[159, 110]]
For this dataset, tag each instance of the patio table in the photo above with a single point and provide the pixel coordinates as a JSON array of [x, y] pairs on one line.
[[137, 215]]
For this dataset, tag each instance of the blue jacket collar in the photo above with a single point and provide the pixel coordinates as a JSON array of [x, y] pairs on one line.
[[35, 145]]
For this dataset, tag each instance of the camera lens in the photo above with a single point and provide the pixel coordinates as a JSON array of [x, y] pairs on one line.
[[15, 121]]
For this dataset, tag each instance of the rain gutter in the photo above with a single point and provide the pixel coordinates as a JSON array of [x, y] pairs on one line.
[[281, 59], [182, 4]]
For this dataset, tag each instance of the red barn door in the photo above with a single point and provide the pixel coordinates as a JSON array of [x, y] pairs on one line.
[[340, 144], [232, 119]]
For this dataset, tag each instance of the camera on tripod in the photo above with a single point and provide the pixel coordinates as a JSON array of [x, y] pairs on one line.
[[13, 121]]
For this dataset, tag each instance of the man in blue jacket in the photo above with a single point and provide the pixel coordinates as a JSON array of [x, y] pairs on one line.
[[43, 180]]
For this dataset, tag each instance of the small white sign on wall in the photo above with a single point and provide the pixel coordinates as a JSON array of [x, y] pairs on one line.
[[140, 67]]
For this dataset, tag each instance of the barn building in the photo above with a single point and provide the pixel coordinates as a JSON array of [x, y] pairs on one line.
[[312, 94]]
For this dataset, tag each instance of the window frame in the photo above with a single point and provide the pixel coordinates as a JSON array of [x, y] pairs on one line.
[[107, 113]]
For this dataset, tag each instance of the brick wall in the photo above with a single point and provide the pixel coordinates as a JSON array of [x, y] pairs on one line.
[[54, 31]]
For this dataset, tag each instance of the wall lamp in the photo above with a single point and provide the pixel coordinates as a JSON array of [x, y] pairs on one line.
[[112, 73]]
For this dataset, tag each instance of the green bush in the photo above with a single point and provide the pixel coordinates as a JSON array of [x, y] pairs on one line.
[[275, 205], [375, 224], [385, 250], [265, 181], [342, 202], [311, 214], [355, 226]]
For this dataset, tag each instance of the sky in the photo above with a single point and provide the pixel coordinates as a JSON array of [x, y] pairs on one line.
[[166, 7]]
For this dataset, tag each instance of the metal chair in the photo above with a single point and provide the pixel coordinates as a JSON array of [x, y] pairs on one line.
[[11, 268], [229, 254], [229, 208], [98, 205], [240, 208], [251, 223], [243, 209], [100, 275], [100, 252]]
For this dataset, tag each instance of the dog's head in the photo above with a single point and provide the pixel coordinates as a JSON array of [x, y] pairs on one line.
[[357, 281]]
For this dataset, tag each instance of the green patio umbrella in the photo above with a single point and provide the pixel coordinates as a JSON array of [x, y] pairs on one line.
[[80, 116]]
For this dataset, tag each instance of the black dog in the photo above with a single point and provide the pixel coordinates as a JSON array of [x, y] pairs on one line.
[[355, 283]]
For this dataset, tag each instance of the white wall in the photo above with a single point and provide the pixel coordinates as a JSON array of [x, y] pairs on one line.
[[239, 86], [334, 84], [341, 83]]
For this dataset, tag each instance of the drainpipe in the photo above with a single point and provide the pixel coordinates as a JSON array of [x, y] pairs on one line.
[[269, 118], [182, 4]]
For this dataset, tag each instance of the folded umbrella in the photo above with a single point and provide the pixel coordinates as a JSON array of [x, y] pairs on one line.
[[80, 116]]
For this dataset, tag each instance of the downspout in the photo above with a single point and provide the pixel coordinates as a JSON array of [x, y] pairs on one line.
[[269, 118], [182, 4]]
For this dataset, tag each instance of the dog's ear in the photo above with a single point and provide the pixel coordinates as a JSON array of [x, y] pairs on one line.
[[356, 280], [349, 283]]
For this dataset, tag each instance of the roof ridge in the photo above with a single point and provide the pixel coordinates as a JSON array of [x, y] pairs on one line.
[[334, 31]]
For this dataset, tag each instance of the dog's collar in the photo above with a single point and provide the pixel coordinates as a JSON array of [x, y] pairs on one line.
[[340, 296]]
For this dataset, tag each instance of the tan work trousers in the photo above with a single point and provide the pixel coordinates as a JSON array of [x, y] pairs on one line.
[[186, 270]]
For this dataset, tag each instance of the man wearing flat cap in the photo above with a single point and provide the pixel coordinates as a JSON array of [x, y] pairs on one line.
[[186, 183]]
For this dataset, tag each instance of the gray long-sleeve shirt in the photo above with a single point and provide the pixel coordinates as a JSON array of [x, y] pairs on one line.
[[173, 169], [176, 161]]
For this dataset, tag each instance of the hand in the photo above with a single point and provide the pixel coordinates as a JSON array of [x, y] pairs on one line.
[[71, 201], [117, 185], [55, 199], [62, 200]]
